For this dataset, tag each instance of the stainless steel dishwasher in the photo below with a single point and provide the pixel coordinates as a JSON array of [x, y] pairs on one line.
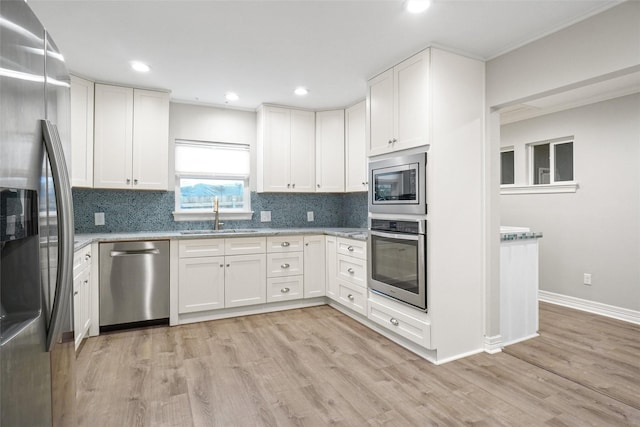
[[134, 283]]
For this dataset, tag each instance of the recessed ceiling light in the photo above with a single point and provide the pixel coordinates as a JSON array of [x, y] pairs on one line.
[[231, 96], [417, 6], [140, 66], [301, 91]]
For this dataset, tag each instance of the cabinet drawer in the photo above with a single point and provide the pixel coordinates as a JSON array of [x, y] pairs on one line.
[[354, 248], [198, 248], [285, 264], [284, 243], [284, 288], [353, 297], [81, 259], [352, 270], [401, 322], [245, 245]]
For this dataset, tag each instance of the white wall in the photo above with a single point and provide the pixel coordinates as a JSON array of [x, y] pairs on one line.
[[204, 123], [601, 47], [597, 229], [604, 45]]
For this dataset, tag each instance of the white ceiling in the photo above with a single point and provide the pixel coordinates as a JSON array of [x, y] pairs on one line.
[[263, 49]]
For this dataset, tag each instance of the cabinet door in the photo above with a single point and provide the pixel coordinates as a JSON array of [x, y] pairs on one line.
[[245, 281], [303, 175], [355, 148], [113, 137], [380, 115], [150, 140], [330, 151], [200, 284], [331, 260], [411, 79], [314, 266], [275, 148], [81, 132]]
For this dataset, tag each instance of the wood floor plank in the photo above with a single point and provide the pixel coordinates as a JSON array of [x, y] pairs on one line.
[[317, 367]]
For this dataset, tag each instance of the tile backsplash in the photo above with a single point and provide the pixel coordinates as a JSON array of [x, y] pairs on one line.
[[127, 211]]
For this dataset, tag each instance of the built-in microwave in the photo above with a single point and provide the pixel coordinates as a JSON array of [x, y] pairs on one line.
[[397, 185]]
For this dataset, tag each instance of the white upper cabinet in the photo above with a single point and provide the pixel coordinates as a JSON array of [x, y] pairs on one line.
[[131, 138], [286, 150], [81, 132], [355, 148], [330, 151], [397, 102]]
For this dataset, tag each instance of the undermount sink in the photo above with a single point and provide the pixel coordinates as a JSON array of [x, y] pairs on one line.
[[223, 231]]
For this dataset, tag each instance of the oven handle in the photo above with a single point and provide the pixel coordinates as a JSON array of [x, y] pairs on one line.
[[397, 236]]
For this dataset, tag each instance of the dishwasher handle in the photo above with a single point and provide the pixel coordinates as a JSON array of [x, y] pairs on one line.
[[133, 252]]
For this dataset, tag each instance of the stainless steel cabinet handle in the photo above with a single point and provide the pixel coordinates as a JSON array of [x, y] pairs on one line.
[[350, 248], [135, 252], [350, 270], [135, 182], [288, 185], [285, 290], [293, 185], [87, 257], [285, 266], [228, 265], [221, 265], [128, 181], [350, 296], [318, 185], [394, 321], [285, 244]]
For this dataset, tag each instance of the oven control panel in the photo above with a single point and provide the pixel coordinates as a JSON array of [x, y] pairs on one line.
[[407, 227]]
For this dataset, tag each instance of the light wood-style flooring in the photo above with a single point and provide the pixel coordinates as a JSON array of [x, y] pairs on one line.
[[317, 367]]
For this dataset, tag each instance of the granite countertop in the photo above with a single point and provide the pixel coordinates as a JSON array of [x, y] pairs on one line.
[[508, 233], [82, 240]]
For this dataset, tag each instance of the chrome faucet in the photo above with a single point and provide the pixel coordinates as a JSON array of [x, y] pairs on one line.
[[216, 212]]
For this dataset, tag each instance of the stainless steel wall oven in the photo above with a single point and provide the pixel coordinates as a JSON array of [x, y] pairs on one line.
[[397, 260]]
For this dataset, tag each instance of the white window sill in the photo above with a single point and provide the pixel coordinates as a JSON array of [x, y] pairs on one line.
[[209, 216], [565, 187]]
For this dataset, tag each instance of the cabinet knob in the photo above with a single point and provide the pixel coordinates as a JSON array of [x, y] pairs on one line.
[[350, 248], [350, 296], [394, 140], [285, 266], [128, 181], [135, 182], [75, 293], [394, 321], [306, 244], [293, 185], [87, 257], [221, 265], [350, 270], [285, 290], [390, 142], [318, 185], [228, 265], [285, 244], [288, 185]]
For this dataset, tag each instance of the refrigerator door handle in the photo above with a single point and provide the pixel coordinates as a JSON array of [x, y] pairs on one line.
[[64, 203]]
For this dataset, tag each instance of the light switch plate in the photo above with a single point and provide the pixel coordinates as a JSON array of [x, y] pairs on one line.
[[310, 216], [265, 216], [99, 218]]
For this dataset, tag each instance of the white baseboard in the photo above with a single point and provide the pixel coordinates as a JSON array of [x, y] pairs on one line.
[[493, 344], [619, 313]]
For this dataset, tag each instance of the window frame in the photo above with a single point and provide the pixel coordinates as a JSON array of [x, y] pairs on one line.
[[244, 213], [552, 160], [506, 150]]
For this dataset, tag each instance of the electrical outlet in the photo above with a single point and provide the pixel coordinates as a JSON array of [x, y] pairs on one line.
[[99, 218], [310, 216], [587, 279], [265, 216]]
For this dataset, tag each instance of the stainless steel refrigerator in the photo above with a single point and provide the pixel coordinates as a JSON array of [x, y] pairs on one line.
[[37, 381]]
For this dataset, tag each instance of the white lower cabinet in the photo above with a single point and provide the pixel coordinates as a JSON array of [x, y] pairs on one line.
[[409, 323], [314, 266], [245, 280], [209, 280], [285, 288], [201, 284], [331, 270], [353, 296], [81, 294]]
